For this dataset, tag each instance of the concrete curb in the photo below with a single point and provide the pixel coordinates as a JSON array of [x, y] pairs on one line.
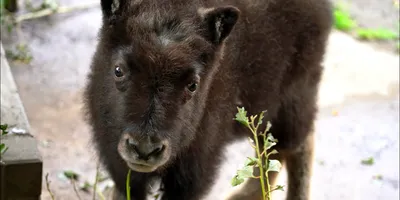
[[21, 166], [12, 109]]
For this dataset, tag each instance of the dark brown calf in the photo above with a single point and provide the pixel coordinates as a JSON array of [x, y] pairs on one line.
[[168, 75]]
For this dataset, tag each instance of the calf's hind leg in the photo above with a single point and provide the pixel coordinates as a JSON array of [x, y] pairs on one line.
[[299, 166]]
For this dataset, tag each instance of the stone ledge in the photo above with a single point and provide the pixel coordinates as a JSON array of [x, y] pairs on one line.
[[21, 166]]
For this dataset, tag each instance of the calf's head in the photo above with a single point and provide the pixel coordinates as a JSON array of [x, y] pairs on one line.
[[155, 64]]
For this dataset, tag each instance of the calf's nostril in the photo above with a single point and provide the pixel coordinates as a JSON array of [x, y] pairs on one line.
[[157, 150], [130, 142]]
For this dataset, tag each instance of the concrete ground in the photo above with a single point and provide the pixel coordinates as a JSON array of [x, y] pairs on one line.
[[361, 84]]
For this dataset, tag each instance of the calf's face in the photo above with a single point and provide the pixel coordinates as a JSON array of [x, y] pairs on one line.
[[159, 64]]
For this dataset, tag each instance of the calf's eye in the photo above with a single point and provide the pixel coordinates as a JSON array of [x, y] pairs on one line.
[[118, 72], [192, 87]]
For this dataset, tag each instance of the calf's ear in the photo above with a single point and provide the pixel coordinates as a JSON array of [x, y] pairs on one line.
[[112, 7], [218, 22]]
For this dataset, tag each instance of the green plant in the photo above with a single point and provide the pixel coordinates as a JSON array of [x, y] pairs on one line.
[[344, 22], [262, 161], [376, 34], [368, 161], [48, 186], [20, 53], [73, 177], [3, 147], [342, 19], [98, 179], [46, 8]]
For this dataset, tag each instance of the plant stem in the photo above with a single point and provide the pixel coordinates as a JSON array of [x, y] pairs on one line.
[[75, 190], [267, 165], [260, 166], [266, 177], [48, 186], [128, 188], [100, 195], [96, 180], [49, 11]]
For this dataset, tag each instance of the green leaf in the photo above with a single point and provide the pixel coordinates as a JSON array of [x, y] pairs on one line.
[[51, 4], [246, 172], [3, 148], [270, 141], [274, 165], [271, 138], [279, 187], [269, 125], [156, 196], [3, 128], [86, 185], [368, 161], [261, 117], [251, 161], [71, 175], [272, 152], [241, 116], [236, 180]]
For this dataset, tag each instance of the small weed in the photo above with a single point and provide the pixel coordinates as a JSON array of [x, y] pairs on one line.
[[20, 53], [270, 165], [378, 177], [342, 19], [344, 22], [73, 177], [3, 128], [48, 186], [99, 178], [3, 147], [368, 161], [85, 186], [376, 34], [48, 7]]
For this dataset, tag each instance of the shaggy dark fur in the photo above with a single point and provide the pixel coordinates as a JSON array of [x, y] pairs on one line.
[[183, 68]]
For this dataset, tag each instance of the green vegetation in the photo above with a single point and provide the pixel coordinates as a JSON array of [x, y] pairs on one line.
[[376, 34], [368, 161], [20, 54], [3, 147], [48, 186], [12, 20], [344, 22], [262, 161]]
